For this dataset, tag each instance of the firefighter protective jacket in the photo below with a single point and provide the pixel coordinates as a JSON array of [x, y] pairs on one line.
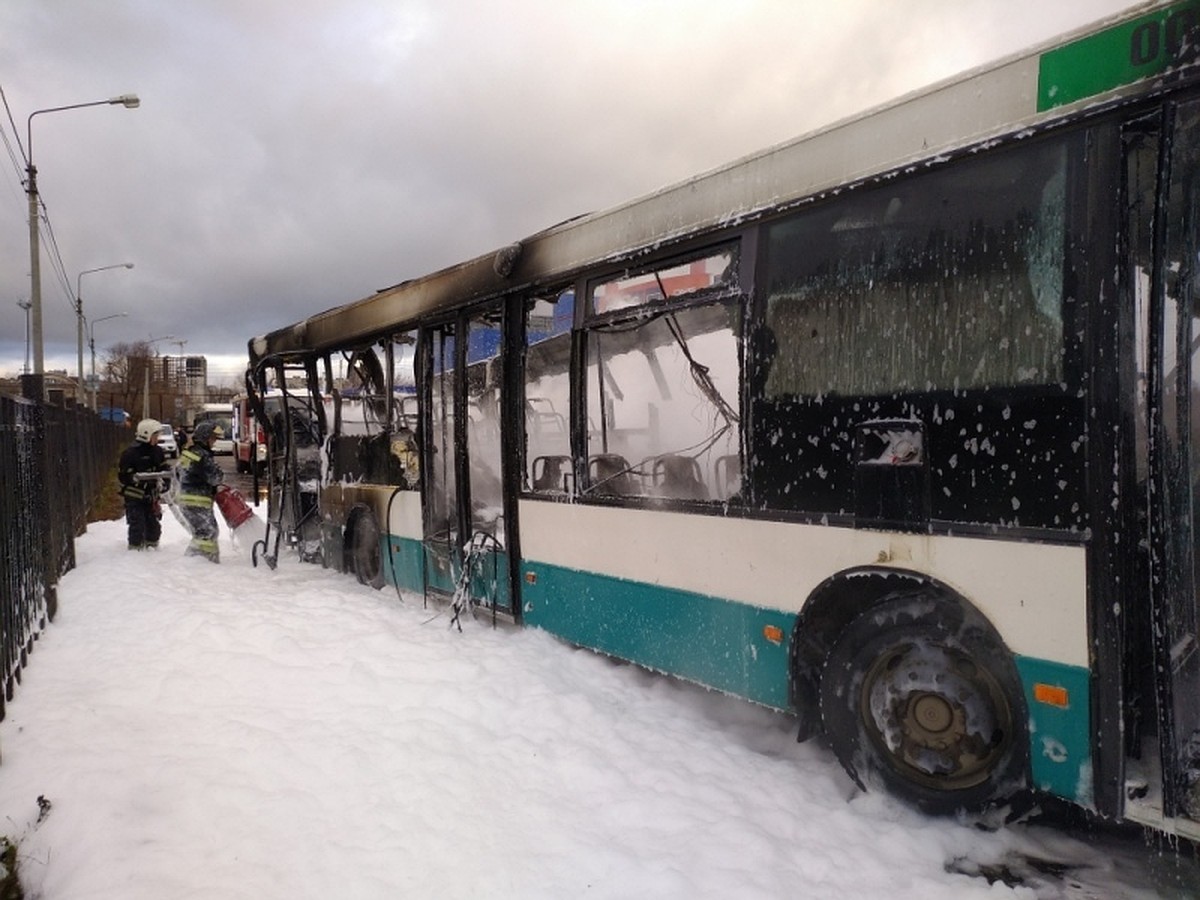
[[199, 474], [137, 458]]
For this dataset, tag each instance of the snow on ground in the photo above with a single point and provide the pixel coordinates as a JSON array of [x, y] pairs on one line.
[[228, 732]]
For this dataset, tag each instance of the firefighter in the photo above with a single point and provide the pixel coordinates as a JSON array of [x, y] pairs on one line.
[[199, 476], [143, 513]]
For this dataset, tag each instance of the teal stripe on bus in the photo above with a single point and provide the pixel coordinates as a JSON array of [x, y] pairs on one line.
[[709, 640], [489, 578], [407, 558], [1059, 736]]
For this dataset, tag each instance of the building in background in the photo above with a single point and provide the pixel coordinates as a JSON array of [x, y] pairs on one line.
[[169, 388]]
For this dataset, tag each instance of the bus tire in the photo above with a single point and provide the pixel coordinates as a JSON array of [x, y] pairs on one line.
[[365, 553], [920, 698]]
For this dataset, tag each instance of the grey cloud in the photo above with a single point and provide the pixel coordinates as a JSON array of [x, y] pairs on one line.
[[292, 156]]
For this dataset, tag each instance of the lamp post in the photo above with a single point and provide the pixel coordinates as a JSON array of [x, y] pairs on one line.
[[129, 101], [92, 343], [79, 395]]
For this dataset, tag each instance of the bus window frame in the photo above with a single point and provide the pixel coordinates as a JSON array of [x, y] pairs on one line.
[[1077, 136], [732, 287], [741, 245]]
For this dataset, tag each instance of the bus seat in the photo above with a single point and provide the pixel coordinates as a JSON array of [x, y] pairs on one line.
[[540, 414], [550, 473], [727, 472], [609, 476], [678, 477]]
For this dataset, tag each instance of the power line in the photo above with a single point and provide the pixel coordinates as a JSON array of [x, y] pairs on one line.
[[21, 167], [17, 164], [60, 268], [16, 134]]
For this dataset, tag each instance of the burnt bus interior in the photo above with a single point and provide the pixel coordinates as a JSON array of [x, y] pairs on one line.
[[944, 350]]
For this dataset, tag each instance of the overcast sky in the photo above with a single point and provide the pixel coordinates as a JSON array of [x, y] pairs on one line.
[[293, 155]]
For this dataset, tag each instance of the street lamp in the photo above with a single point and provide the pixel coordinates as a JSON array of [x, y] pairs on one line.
[[92, 344], [79, 396], [129, 101]]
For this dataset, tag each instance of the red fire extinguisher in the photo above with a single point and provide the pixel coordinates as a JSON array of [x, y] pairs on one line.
[[233, 506]]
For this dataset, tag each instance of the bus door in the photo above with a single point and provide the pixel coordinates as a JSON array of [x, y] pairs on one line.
[[465, 525], [443, 531], [1167, 328]]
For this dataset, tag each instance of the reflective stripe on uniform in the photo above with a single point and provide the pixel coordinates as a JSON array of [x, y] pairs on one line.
[[193, 500], [204, 547]]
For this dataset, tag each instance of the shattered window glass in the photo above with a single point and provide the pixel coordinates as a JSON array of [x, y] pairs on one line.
[[405, 457]]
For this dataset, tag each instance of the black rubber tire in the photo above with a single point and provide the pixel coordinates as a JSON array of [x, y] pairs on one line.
[[365, 552], [920, 698]]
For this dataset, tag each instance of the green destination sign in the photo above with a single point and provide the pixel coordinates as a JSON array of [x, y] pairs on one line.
[[1123, 54]]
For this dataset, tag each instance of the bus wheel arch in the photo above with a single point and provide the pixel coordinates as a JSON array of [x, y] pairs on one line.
[[362, 547], [914, 689], [829, 609]]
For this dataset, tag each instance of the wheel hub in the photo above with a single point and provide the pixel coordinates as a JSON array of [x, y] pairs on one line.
[[934, 713], [931, 714]]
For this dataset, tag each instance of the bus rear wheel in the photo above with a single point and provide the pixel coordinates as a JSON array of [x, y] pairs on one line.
[[920, 698], [365, 552]]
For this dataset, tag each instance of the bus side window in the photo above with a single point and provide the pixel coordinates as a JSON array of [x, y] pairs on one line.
[[404, 450], [662, 394], [548, 392], [920, 299]]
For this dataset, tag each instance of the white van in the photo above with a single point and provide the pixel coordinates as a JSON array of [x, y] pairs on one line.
[[219, 414]]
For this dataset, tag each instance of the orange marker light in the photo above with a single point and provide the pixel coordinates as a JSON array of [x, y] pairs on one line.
[[1051, 695], [773, 633]]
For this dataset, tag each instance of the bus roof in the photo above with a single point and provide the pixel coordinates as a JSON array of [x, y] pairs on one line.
[[1133, 53]]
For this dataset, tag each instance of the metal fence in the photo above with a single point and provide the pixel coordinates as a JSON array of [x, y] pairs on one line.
[[53, 462]]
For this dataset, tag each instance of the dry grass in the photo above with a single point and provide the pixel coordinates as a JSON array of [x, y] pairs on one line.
[[109, 504]]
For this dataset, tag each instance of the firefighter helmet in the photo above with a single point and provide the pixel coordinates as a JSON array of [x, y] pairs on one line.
[[147, 429], [206, 431]]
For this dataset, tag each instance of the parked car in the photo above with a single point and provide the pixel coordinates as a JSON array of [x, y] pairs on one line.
[[166, 440]]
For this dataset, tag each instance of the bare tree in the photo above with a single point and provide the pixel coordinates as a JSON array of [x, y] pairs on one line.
[[124, 374], [142, 380]]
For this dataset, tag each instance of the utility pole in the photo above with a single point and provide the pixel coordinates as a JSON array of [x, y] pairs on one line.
[[26, 305]]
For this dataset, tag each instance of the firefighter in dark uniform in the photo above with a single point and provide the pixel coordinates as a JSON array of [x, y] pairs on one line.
[[143, 513], [199, 476]]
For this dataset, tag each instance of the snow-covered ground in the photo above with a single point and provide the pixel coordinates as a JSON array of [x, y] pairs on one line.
[[228, 732]]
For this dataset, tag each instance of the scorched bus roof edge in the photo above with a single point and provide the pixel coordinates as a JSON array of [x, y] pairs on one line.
[[998, 98]]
